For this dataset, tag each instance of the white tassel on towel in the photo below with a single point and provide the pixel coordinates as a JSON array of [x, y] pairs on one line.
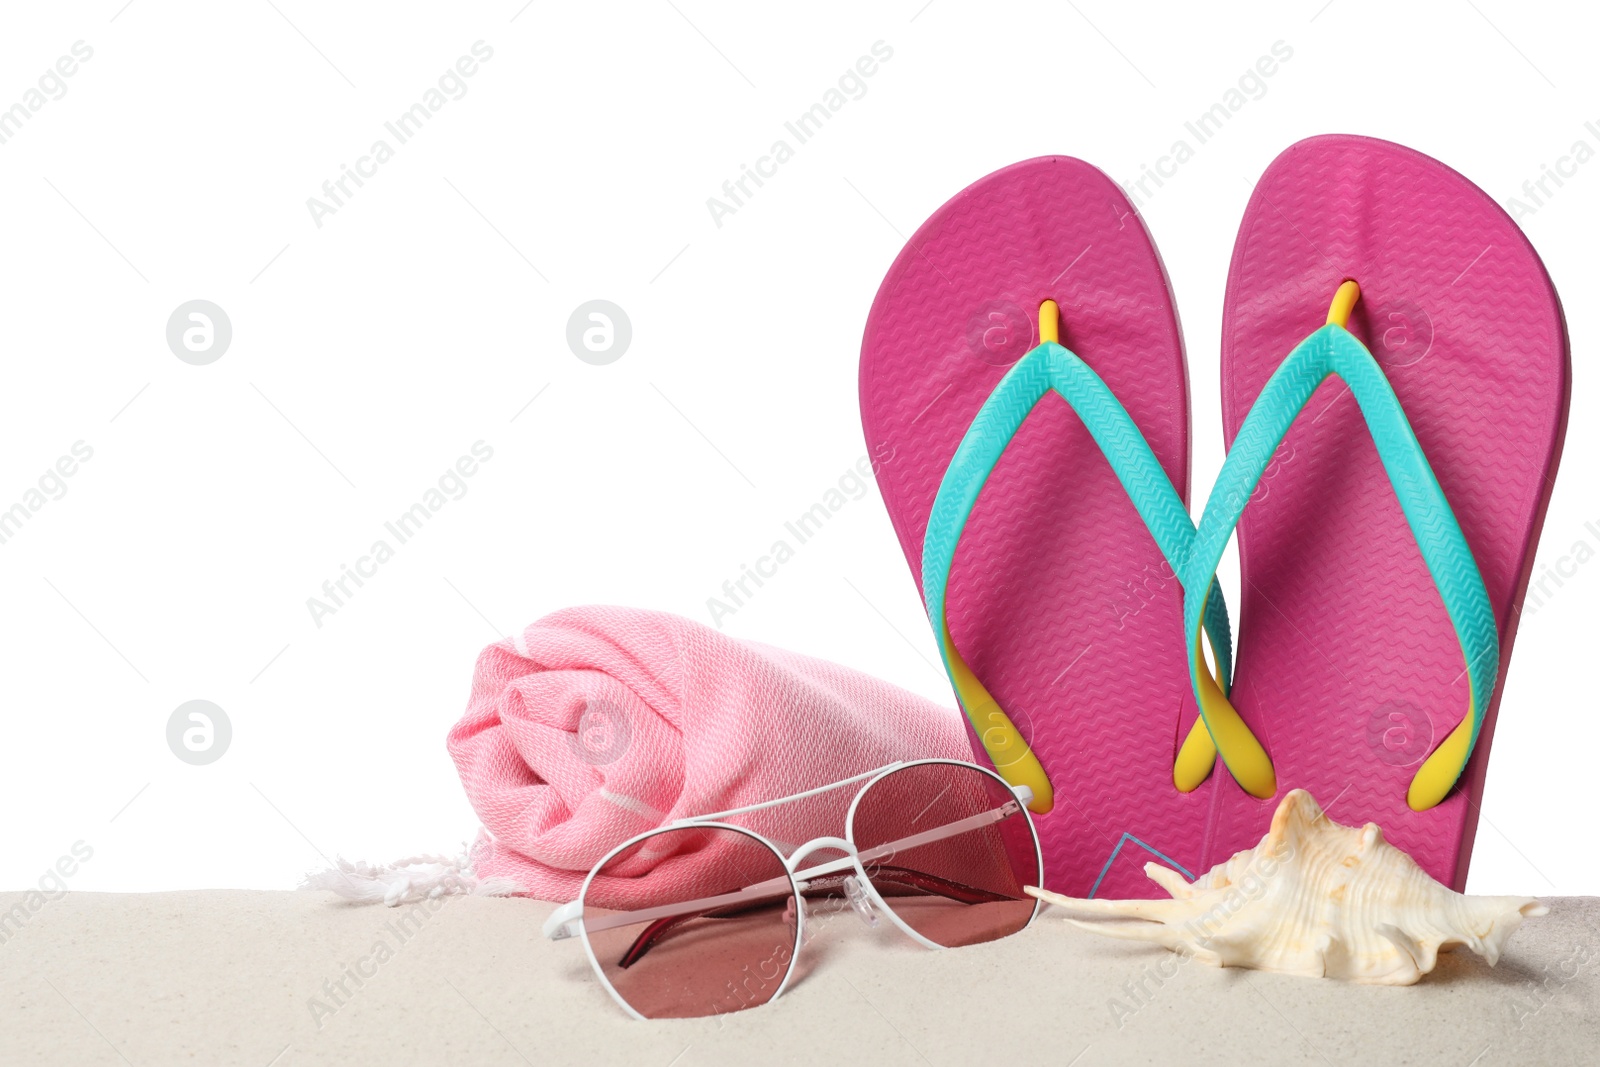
[[407, 881]]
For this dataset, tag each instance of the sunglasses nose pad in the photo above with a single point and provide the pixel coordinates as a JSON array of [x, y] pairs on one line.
[[860, 901]]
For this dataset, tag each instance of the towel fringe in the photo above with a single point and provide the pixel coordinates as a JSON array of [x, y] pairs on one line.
[[409, 880]]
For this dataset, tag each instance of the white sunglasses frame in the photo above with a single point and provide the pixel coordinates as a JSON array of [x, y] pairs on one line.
[[567, 920]]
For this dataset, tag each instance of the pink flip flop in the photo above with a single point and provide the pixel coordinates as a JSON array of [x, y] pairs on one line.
[[1063, 612], [1355, 632]]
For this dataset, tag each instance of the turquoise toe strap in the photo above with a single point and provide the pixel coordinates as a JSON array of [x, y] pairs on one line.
[[1052, 368], [1332, 350]]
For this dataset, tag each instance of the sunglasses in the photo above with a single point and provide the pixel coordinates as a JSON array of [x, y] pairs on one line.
[[941, 847]]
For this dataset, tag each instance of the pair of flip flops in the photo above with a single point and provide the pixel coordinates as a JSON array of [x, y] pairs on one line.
[[1394, 389]]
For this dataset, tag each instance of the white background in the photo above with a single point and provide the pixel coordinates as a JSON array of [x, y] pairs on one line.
[[368, 354]]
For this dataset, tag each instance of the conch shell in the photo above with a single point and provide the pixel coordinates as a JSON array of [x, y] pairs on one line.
[[1314, 898]]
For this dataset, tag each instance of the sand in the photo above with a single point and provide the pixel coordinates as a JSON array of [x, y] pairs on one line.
[[235, 977]]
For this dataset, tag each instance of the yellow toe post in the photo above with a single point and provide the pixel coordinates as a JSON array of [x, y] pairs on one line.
[[1241, 753], [1246, 760], [1344, 302], [1220, 729], [1438, 774], [1008, 749], [1198, 755], [1049, 322], [1196, 759]]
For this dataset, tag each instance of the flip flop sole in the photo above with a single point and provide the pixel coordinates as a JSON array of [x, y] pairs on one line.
[[1058, 599], [1348, 668]]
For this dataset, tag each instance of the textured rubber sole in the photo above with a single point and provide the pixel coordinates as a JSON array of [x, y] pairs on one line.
[[1059, 599], [1348, 669]]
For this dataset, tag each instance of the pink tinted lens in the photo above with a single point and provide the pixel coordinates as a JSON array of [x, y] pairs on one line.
[[697, 945], [965, 886]]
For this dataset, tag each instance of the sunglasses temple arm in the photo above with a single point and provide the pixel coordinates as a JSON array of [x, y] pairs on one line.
[[568, 925], [563, 922], [939, 833]]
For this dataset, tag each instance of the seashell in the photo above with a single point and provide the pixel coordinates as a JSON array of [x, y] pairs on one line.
[[1314, 898]]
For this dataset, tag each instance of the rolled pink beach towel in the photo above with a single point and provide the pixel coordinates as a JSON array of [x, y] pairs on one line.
[[599, 723]]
